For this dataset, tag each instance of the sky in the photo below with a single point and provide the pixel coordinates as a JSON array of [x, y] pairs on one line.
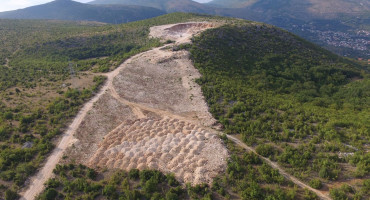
[[6, 5]]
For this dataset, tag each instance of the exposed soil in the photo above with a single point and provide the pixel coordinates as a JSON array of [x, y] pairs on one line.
[[164, 80], [169, 145], [181, 33], [106, 114]]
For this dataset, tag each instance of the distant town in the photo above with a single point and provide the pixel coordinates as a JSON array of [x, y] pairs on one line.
[[358, 41]]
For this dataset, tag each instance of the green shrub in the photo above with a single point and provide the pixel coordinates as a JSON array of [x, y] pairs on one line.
[[309, 195], [338, 194], [110, 192], [91, 174], [49, 194], [316, 183], [150, 186], [171, 180], [171, 196], [134, 174], [366, 187], [11, 195], [265, 150]]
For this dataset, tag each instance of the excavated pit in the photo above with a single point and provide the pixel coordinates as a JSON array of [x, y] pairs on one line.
[[182, 32]]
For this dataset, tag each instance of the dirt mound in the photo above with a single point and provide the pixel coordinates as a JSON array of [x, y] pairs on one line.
[[169, 145]]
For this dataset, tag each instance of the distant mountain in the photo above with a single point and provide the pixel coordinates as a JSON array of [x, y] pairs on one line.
[[166, 5], [71, 10], [328, 9], [342, 26], [231, 3]]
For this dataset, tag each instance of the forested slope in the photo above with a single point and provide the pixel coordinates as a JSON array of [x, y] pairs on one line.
[[294, 102]]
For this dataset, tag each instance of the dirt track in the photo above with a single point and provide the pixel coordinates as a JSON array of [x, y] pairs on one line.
[[281, 171], [181, 142]]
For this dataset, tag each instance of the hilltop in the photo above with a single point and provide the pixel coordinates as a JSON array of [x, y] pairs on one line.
[[71, 10]]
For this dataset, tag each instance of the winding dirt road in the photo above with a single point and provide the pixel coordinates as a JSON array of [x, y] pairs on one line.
[[37, 182]]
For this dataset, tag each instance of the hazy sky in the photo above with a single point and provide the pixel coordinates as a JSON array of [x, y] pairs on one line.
[[17, 4]]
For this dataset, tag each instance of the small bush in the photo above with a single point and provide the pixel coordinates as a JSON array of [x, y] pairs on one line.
[[11, 195], [134, 174], [50, 194], [316, 183]]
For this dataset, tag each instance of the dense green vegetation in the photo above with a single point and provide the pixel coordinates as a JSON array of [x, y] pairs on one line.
[[40, 60], [311, 106], [24, 146], [43, 49], [246, 176]]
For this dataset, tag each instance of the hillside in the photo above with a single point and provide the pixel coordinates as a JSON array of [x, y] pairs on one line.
[[48, 70], [70, 10], [296, 103], [150, 115], [166, 5], [303, 110]]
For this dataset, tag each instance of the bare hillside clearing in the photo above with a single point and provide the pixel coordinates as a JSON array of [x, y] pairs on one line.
[[164, 128]]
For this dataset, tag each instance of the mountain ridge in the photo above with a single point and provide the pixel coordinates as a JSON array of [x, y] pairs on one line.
[[318, 9], [166, 5], [71, 10]]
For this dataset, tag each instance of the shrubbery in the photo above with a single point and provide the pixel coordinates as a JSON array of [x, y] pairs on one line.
[[273, 87]]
